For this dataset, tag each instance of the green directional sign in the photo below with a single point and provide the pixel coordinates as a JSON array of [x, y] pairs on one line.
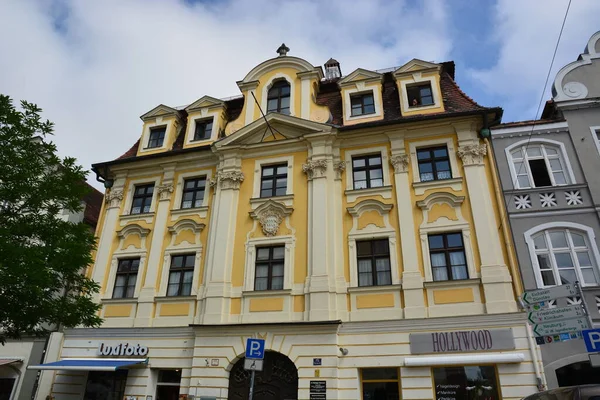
[[555, 292], [556, 314], [558, 327]]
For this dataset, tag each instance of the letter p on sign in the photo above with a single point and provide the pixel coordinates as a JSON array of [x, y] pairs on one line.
[[591, 337], [255, 348]]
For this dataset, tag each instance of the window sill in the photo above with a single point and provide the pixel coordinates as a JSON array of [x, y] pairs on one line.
[[287, 200], [132, 217], [453, 183], [266, 293], [119, 301], [421, 106], [199, 211], [443, 284], [367, 289], [170, 299], [383, 191]]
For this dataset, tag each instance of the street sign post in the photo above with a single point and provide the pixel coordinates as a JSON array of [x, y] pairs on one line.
[[556, 314], [555, 292], [558, 327], [255, 353]]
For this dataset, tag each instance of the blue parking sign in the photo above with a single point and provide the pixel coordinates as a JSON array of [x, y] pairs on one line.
[[591, 337], [255, 348]]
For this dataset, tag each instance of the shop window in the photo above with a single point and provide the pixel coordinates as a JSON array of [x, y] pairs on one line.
[[106, 385], [157, 137], [367, 171], [448, 261], [203, 129], [469, 382], [273, 180], [419, 95], [380, 383], [539, 165], [126, 278], [167, 386], [181, 275], [373, 259], [362, 104], [142, 199], [269, 268], [278, 98], [7, 386], [193, 192], [434, 164]]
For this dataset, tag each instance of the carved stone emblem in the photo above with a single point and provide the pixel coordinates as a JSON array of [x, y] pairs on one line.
[[113, 198], [164, 191], [400, 163], [270, 215], [472, 154], [230, 180], [315, 168]]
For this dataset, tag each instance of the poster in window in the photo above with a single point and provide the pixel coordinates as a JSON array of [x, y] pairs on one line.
[[466, 383]]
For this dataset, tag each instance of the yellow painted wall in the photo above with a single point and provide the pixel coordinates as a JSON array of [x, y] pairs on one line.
[[451, 296], [117, 310], [299, 303], [383, 300], [174, 309], [266, 304], [235, 307]]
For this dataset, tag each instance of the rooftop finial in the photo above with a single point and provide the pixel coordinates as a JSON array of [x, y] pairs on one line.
[[283, 50]]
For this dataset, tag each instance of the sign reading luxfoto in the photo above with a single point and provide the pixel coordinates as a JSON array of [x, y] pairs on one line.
[[122, 349], [462, 341]]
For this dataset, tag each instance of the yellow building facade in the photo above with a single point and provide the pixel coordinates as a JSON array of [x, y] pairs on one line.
[[353, 222]]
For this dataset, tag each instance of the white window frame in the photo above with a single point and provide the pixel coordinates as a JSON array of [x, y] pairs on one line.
[[389, 234], [466, 237], [169, 253], [112, 276], [589, 236], [159, 121], [523, 144], [595, 130], [129, 196], [204, 115], [358, 89], [385, 166], [288, 264], [265, 91], [179, 190], [449, 143], [258, 165], [416, 79]]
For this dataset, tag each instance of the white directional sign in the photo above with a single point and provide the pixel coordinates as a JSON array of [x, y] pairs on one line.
[[555, 292], [556, 314], [558, 327]]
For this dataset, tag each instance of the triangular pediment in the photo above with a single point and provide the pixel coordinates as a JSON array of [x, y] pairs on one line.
[[415, 65], [204, 102], [358, 75], [160, 110], [279, 128]]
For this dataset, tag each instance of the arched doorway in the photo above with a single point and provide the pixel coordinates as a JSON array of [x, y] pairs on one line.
[[277, 381], [579, 373]]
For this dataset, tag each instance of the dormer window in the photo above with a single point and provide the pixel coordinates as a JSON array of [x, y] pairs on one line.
[[278, 98], [157, 137], [362, 104], [420, 95], [203, 130]]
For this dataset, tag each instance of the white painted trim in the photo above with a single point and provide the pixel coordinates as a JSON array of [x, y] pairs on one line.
[[289, 243], [265, 91], [305, 96], [414, 146], [129, 195], [179, 188], [591, 238], [258, 164], [204, 116], [538, 128], [538, 214], [417, 79], [371, 234], [475, 358], [277, 63], [382, 150], [362, 88], [143, 147], [175, 251], [122, 254], [595, 130], [529, 141]]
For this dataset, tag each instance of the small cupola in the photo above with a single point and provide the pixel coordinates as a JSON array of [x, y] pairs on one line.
[[332, 69]]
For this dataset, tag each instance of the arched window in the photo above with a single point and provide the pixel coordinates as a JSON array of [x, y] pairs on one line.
[[564, 255], [539, 165], [278, 98]]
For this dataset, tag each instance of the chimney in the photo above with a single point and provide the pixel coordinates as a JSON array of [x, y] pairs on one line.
[[332, 69]]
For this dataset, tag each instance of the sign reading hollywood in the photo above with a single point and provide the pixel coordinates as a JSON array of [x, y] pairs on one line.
[[462, 341], [122, 349]]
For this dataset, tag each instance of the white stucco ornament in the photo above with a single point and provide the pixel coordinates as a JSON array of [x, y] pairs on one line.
[[270, 215], [113, 198], [575, 90], [315, 168], [472, 154], [400, 163], [230, 180], [164, 191]]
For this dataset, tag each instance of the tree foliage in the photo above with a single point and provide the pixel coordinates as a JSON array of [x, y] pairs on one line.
[[42, 256]]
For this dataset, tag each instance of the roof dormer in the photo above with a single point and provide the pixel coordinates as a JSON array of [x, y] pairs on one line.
[[361, 96], [161, 125], [419, 87], [206, 119]]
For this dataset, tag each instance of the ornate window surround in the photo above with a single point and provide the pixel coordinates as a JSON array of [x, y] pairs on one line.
[[529, 234], [129, 195], [159, 121], [202, 210], [385, 191], [289, 242], [289, 190], [358, 89], [420, 187], [267, 86]]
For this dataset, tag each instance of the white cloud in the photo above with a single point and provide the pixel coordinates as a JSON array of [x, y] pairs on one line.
[[526, 33], [95, 66]]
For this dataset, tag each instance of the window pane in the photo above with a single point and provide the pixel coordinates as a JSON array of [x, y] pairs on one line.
[[543, 261], [578, 240], [266, 193], [563, 260], [442, 166], [173, 289], [267, 171], [282, 169], [367, 99], [555, 164], [559, 178], [423, 154], [444, 175], [365, 279], [426, 176], [517, 154], [277, 283], [360, 184], [277, 270], [285, 102], [121, 279], [540, 173], [281, 183], [438, 260], [567, 276], [550, 151], [369, 109], [442, 152], [384, 278], [135, 264], [381, 246], [524, 181], [588, 276], [373, 374], [436, 241], [376, 173], [548, 278], [262, 253], [174, 277], [376, 182], [360, 175], [262, 270], [272, 105], [558, 239], [457, 258], [130, 291], [278, 253], [261, 284], [584, 259], [266, 185], [188, 276], [118, 292], [534, 151], [364, 266], [440, 274], [358, 162], [454, 240], [539, 242], [375, 160], [382, 264], [363, 248], [459, 272], [520, 168]]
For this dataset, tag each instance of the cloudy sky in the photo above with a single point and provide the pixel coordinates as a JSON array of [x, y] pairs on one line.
[[96, 66]]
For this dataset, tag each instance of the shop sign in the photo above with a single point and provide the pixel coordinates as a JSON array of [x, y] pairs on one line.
[[462, 341], [122, 349], [318, 390]]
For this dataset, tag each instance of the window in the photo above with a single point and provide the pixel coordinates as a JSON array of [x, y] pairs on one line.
[[269, 268], [448, 260], [142, 199], [538, 165], [362, 104], [203, 129], [373, 259], [193, 192], [380, 384], [106, 385], [167, 386], [367, 171], [273, 180], [563, 256], [434, 164], [181, 275], [157, 137], [419, 95], [127, 271], [468, 382], [278, 98], [7, 385]]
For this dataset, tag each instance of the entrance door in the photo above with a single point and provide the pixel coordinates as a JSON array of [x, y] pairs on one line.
[[277, 381], [579, 373], [167, 387]]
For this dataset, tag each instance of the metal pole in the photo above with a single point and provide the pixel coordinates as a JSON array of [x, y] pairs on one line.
[[584, 305], [251, 385]]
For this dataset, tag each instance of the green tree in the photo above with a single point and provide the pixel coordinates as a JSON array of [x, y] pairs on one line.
[[42, 257]]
